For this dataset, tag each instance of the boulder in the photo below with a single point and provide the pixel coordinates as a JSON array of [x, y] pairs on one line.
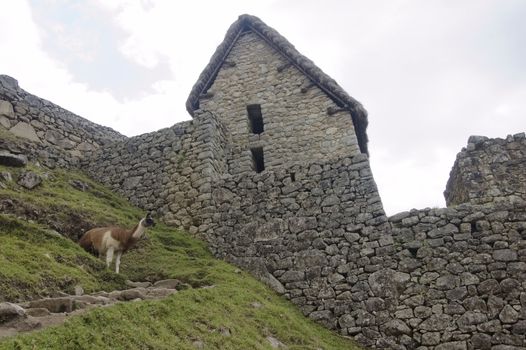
[[10, 159], [275, 343], [29, 180], [131, 294], [5, 122], [54, 305], [169, 283], [137, 284], [396, 327], [8, 82], [25, 130], [11, 312], [388, 283], [6, 109]]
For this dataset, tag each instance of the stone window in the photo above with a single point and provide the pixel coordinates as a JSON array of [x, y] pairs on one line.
[[255, 119], [257, 159]]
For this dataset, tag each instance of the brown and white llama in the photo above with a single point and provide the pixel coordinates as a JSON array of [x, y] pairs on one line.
[[114, 240]]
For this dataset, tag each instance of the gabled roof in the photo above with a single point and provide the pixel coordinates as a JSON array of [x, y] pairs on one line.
[[305, 65]]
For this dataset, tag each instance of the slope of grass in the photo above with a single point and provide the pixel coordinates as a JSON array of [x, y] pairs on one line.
[[237, 312]]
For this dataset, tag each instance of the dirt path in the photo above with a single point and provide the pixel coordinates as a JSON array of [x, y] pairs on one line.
[[42, 313]]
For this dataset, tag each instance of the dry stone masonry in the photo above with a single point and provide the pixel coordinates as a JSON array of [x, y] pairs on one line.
[[51, 134], [273, 173], [488, 170]]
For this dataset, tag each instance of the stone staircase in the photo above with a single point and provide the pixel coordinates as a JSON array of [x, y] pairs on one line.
[[42, 313]]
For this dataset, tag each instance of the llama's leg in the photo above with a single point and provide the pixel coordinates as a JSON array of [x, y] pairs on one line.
[[118, 255], [109, 256]]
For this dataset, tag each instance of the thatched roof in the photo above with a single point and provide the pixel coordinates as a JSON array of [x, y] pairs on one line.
[[305, 65]]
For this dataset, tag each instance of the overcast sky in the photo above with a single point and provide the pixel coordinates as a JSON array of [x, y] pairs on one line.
[[430, 73]]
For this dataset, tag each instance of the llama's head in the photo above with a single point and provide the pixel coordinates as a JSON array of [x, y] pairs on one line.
[[148, 221]]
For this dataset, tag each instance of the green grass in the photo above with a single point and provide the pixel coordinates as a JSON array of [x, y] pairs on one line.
[[36, 262]]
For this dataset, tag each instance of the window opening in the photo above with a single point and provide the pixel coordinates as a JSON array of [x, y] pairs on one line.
[[255, 119], [257, 158]]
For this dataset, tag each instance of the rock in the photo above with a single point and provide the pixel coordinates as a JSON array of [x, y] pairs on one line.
[[8, 82], [508, 315], [505, 255], [492, 326], [436, 323], [79, 290], [137, 284], [79, 185], [25, 130], [480, 341], [293, 276], [510, 286], [275, 343], [447, 230], [131, 294], [256, 305], [29, 180], [330, 201], [6, 123], [84, 147], [447, 282], [490, 286], [198, 344], [387, 282], [476, 139], [168, 283], [224, 331], [399, 217], [131, 182], [90, 299], [519, 327], [54, 305], [431, 338], [456, 345], [11, 312], [470, 319], [6, 176], [468, 279], [346, 321], [6, 109], [38, 312], [300, 224], [10, 159], [395, 327]]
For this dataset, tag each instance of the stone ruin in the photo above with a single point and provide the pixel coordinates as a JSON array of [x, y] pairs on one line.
[[273, 173]]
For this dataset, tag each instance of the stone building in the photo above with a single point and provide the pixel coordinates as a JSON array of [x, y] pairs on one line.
[[273, 172], [278, 108]]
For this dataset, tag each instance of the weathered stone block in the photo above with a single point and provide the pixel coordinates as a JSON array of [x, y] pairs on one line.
[[25, 130]]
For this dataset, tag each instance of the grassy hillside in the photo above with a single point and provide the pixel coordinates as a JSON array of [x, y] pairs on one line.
[[38, 257]]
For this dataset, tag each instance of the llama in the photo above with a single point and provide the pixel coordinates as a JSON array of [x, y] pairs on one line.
[[110, 240]]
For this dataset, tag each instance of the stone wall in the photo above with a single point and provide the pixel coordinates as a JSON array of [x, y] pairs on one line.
[[168, 171], [465, 271], [297, 125], [52, 134], [309, 231], [314, 228], [488, 170]]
